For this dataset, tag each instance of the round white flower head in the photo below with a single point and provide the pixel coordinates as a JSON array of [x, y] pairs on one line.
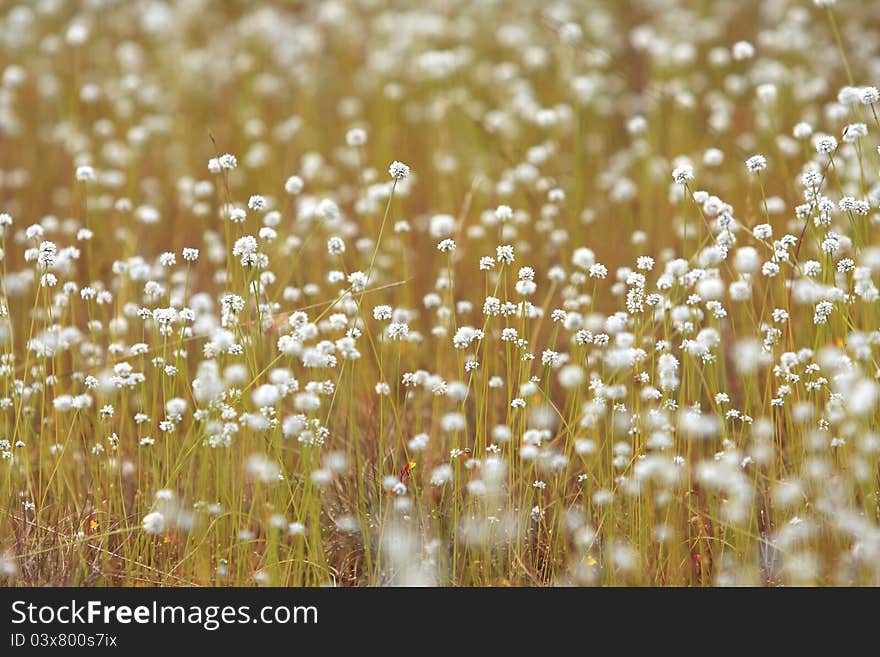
[[503, 213], [571, 33], [227, 161], [356, 137], [293, 185], [756, 163], [382, 312], [825, 144], [802, 130], [85, 173], [742, 50], [327, 209], [154, 523], [713, 157], [869, 95], [682, 174], [335, 246], [398, 170]]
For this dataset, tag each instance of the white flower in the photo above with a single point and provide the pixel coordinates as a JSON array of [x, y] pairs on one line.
[[327, 209], [441, 474], [756, 163], [382, 312], [293, 185], [245, 246], [645, 263], [763, 231], [47, 254], [825, 144], [598, 270], [503, 213], [154, 523], [335, 246], [227, 161], [682, 174], [442, 225], [418, 443], [743, 50], [357, 137], [265, 395], [85, 173], [504, 254], [398, 170], [398, 330]]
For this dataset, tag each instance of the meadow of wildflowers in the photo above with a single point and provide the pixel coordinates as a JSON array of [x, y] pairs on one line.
[[450, 292]]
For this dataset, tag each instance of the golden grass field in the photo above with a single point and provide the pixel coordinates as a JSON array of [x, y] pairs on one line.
[[452, 292]]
